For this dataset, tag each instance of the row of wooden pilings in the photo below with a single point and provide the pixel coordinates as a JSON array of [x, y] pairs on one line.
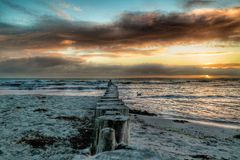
[[111, 122]]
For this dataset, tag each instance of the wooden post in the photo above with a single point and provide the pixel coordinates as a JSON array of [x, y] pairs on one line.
[[112, 113], [110, 100], [110, 103], [101, 110], [108, 97], [111, 122], [107, 140], [119, 123]]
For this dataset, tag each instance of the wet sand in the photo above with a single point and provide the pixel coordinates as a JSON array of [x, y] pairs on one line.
[[181, 139]]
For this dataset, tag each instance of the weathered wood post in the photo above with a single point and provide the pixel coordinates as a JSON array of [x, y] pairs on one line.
[[111, 121], [101, 110], [107, 140], [119, 123]]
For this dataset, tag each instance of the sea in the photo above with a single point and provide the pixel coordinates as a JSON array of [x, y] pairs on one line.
[[210, 100]]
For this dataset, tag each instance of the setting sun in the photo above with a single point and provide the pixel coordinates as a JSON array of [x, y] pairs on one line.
[[207, 76]]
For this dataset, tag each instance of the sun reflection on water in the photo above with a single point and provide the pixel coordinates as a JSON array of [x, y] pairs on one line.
[[215, 100]]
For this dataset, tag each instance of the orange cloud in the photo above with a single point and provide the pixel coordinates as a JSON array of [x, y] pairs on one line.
[[223, 66], [60, 67], [67, 42], [134, 34]]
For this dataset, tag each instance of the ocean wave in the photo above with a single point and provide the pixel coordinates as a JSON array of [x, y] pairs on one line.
[[52, 84], [187, 96], [155, 82]]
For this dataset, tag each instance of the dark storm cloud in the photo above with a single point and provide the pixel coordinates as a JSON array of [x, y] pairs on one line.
[[196, 3], [31, 65], [131, 29], [58, 67]]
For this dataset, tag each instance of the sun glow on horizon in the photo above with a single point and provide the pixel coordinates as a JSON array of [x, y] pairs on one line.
[[190, 40]]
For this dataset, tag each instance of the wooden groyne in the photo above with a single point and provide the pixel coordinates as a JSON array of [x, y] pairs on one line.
[[111, 122]]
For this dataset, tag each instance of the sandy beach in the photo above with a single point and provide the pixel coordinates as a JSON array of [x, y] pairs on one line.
[[56, 127], [55, 119], [185, 139]]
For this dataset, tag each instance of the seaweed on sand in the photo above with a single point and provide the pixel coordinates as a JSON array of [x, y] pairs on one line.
[[40, 110], [82, 139], [37, 140], [237, 136], [180, 121], [84, 126], [202, 156], [134, 111], [78, 121], [69, 118]]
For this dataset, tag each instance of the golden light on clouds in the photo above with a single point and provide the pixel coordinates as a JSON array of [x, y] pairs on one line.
[[203, 41], [222, 66], [67, 42]]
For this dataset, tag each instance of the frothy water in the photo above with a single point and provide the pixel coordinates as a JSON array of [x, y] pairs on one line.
[[52, 87], [214, 100], [208, 100]]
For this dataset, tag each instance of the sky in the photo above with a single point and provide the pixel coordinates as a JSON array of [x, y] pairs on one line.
[[119, 39]]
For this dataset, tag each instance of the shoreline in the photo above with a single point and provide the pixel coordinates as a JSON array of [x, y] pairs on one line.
[[211, 122], [162, 122], [184, 139]]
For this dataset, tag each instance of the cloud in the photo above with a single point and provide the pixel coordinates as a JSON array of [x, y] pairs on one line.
[[60, 7], [202, 53], [55, 6], [67, 42], [60, 11], [31, 65], [77, 9], [222, 66], [131, 30], [59, 67], [197, 3], [19, 8]]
